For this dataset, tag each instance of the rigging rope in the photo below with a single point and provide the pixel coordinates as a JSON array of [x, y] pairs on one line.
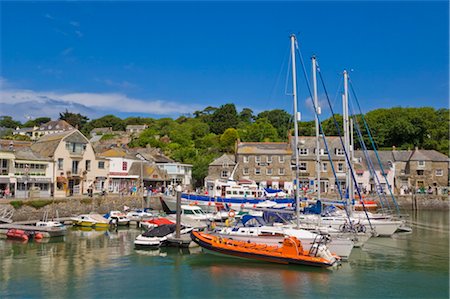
[[374, 147], [342, 143]]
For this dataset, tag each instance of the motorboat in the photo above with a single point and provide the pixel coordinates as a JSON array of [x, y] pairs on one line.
[[117, 218], [291, 250], [138, 215], [154, 222], [90, 220], [254, 229], [158, 236]]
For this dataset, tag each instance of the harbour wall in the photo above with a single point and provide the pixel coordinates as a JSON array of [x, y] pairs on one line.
[[74, 206], [69, 207]]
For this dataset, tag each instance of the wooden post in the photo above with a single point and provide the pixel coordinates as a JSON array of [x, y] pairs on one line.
[[178, 224]]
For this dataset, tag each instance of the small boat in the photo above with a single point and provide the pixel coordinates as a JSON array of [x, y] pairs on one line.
[[138, 215], [90, 220], [117, 218], [290, 252], [151, 223], [158, 236]]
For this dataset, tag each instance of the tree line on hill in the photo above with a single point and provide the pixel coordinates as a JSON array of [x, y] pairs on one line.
[[199, 138]]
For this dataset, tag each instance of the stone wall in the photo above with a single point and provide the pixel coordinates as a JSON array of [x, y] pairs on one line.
[[424, 202], [73, 207]]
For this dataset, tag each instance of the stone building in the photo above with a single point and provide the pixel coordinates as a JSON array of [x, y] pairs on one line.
[[307, 162], [266, 163], [221, 168], [421, 171]]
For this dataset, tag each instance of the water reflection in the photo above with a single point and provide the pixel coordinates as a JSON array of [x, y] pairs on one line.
[[92, 263]]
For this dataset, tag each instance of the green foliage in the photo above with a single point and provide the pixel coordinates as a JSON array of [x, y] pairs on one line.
[[228, 140], [223, 118], [9, 122], [18, 137], [16, 203], [279, 119], [36, 122], [75, 119], [107, 136], [259, 131], [39, 203]]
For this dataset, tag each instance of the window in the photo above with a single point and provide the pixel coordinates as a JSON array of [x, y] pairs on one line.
[[324, 167], [88, 165], [420, 163], [245, 171], [323, 152], [302, 166], [224, 174], [339, 152], [281, 159], [340, 167], [245, 159], [75, 166], [124, 165], [281, 171], [303, 151], [269, 159], [439, 172], [4, 167], [101, 165], [60, 163], [420, 172], [257, 171], [269, 171], [257, 159]]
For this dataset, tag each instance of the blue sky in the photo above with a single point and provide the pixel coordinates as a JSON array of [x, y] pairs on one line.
[[161, 59]]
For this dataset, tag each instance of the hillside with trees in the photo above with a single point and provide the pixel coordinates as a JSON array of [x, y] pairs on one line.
[[203, 136]]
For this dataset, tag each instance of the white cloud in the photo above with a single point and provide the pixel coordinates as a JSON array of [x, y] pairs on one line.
[[21, 102], [75, 24], [79, 33]]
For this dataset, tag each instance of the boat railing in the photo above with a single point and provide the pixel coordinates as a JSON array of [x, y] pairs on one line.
[[318, 241]]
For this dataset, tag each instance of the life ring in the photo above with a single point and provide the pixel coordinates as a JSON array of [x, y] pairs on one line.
[[231, 214]]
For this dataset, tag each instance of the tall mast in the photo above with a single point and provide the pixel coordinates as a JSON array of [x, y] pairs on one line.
[[296, 118], [348, 177], [316, 104]]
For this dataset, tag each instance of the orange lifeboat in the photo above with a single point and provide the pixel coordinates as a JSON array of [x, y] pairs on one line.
[[291, 251]]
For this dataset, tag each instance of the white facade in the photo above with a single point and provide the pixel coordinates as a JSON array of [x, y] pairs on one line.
[[119, 179], [179, 174]]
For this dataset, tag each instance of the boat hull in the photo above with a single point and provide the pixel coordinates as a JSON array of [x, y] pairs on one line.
[[255, 256]]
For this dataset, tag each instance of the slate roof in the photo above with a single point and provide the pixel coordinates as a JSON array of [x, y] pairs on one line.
[[47, 144], [150, 172], [386, 159], [225, 159], [266, 148], [28, 154], [55, 125]]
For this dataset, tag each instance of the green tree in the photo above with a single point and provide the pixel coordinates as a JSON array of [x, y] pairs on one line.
[[260, 131], [228, 140], [8, 122], [223, 118], [246, 116], [279, 119], [75, 119], [36, 122]]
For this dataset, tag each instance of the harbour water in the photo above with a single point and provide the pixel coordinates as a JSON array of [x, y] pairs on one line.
[[104, 264]]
